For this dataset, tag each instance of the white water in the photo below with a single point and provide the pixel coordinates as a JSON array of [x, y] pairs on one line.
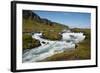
[[50, 48]]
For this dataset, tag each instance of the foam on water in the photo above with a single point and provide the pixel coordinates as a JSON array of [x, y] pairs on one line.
[[50, 48]]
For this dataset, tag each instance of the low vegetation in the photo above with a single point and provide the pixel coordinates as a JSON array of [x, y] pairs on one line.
[[52, 35], [29, 42]]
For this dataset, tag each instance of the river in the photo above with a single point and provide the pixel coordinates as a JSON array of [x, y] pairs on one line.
[[49, 48]]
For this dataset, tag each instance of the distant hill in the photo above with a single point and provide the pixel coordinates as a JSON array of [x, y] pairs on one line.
[[34, 23]]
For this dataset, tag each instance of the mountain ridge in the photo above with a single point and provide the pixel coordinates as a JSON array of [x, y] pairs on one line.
[[30, 19]]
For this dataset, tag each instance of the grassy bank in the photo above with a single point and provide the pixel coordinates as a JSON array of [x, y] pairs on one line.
[[29, 42]]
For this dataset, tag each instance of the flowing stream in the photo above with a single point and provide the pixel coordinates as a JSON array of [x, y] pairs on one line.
[[49, 48]]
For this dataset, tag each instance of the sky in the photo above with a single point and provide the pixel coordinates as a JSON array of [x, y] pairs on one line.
[[71, 19]]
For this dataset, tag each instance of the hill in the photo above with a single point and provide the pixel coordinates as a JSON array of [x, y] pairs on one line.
[[34, 23]]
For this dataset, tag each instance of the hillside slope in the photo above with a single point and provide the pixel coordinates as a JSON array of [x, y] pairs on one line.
[[34, 23]]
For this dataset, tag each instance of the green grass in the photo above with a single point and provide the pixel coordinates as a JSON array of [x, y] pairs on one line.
[[34, 26], [29, 42], [52, 35]]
